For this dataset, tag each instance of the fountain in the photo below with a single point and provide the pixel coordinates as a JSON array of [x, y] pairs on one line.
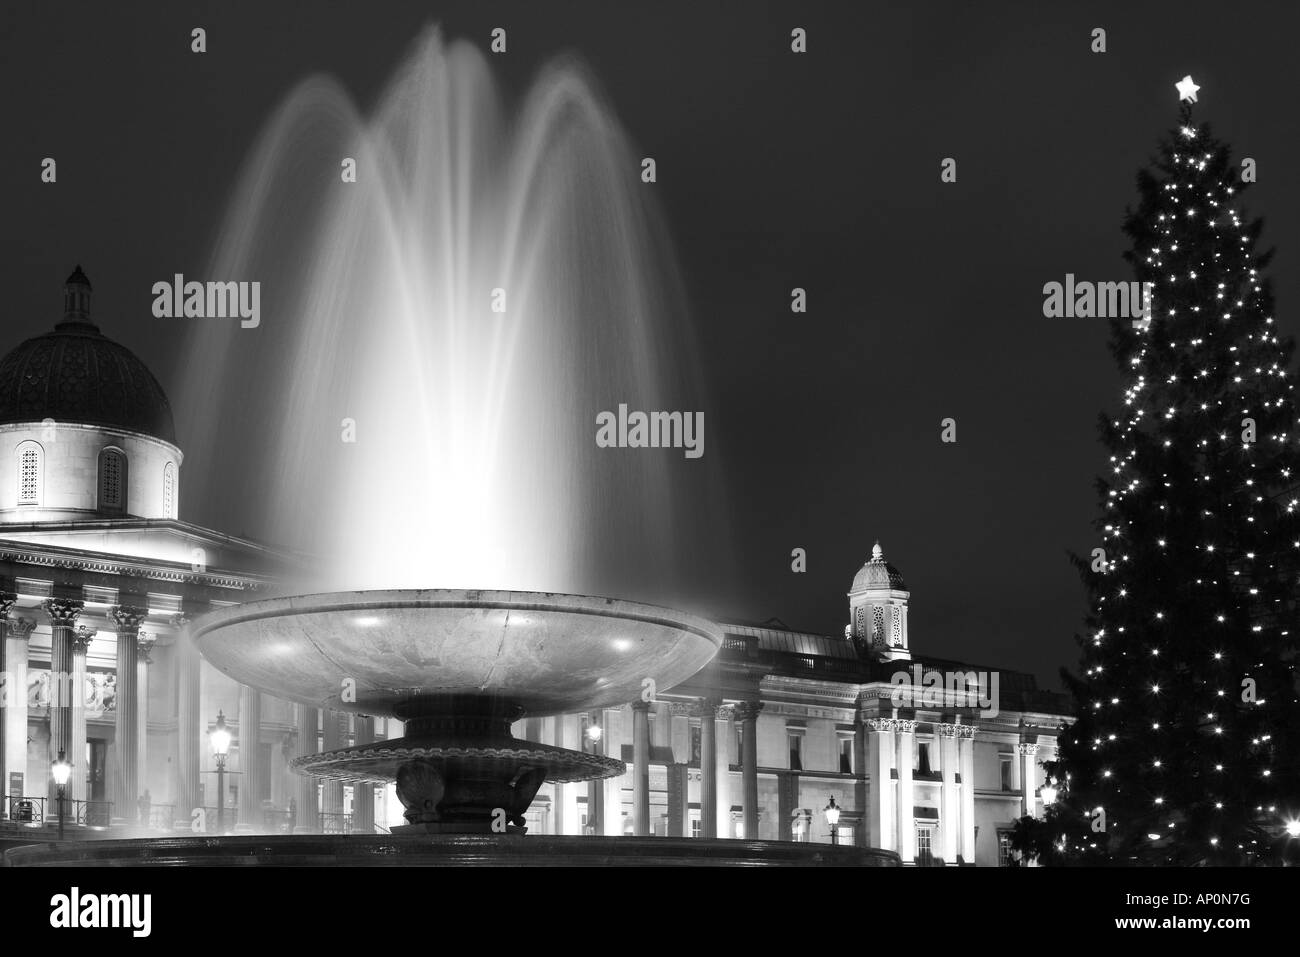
[[452, 294], [458, 667]]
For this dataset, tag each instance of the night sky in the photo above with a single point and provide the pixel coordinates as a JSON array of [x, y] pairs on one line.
[[775, 170]]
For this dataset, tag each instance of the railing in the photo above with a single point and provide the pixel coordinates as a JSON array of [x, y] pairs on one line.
[[91, 813], [26, 809], [333, 823]]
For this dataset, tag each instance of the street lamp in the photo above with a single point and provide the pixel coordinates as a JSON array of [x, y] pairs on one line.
[[832, 812], [61, 770], [595, 792], [220, 739], [1048, 794]]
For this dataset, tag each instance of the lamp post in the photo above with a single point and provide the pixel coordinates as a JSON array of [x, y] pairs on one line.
[[61, 770], [595, 796], [219, 736], [832, 812], [1048, 794]]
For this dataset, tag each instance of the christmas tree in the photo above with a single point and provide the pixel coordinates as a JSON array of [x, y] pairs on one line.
[[1186, 744]]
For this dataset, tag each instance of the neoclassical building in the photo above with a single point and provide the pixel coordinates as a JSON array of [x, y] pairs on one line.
[[99, 576]]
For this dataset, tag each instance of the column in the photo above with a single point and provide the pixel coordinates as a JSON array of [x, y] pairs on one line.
[[1027, 752], [559, 792], [641, 768], [144, 645], [612, 808], [906, 803], [248, 816], [14, 714], [708, 772], [332, 740], [7, 600], [861, 833], [747, 715], [966, 761], [363, 792], [949, 796], [881, 746], [126, 722], [722, 752], [80, 646], [63, 613], [308, 819], [189, 730]]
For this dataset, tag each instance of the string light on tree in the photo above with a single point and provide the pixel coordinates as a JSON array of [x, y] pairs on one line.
[[1187, 751]]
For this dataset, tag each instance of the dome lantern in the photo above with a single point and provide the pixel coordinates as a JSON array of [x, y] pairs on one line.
[[878, 608]]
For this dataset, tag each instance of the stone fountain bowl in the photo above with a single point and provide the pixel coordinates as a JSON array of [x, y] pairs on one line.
[[372, 652]]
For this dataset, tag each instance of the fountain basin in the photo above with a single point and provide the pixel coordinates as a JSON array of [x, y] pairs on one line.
[[458, 667], [371, 652]]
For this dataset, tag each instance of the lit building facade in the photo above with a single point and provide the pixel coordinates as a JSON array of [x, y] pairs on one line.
[[99, 576]]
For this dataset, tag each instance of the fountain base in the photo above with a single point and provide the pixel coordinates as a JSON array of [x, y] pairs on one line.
[[459, 770]]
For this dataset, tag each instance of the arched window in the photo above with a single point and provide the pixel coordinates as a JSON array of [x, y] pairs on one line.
[[31, 477], [112, 481], [169, 490]]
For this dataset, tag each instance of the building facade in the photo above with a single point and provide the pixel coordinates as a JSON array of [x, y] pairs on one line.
[[99, 576]]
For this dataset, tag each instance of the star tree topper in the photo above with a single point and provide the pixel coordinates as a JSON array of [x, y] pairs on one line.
[[1186, 89]]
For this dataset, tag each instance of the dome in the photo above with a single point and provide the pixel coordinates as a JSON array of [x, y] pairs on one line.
[[878, 573], [76, 374]]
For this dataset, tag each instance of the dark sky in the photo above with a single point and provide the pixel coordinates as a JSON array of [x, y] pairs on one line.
[[775, 170]]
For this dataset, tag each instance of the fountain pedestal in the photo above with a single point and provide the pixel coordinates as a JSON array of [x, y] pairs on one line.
[[458, 769]]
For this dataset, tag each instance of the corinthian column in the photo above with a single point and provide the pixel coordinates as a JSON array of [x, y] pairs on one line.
[[248, 818], [747, 715], [13, 714], [332, 736], [63, 615], [641, 768], [881, 747], [308, 817], [80, 645], [708, 772], [949, 797], [189, 731], [966, 761], [363, 792], [144, 645], [126, 722], [906, 804], [1028, 752]]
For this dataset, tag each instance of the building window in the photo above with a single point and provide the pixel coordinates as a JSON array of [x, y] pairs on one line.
[[112, 481], [1006, 856], [169, 490], [878, 625], [1004, 766], [925, 844], [846, 755], [695, 827], [30, 479], [697, 746], [923, 758], [796, 751]]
